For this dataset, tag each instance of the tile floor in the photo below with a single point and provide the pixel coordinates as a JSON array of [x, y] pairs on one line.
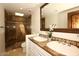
[[14, 52]]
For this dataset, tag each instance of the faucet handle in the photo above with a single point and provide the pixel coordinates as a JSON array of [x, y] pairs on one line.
[[69, 43], [59, 40]]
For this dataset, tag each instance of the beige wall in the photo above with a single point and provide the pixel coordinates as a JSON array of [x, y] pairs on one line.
[[63, 23], [2, 30], [51, 19], [69, 36], [56, 18], [35, 21]]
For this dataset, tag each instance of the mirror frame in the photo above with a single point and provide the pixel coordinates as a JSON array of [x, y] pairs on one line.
[[41, 28], [65, 30]]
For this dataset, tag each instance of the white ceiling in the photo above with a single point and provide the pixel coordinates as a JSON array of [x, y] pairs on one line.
[[58, 7], [15, 7], [28, 7]]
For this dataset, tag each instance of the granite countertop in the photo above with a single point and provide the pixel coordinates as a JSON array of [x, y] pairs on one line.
[[43, 46]]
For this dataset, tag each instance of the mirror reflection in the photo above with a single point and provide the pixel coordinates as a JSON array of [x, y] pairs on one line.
[[57, 14]]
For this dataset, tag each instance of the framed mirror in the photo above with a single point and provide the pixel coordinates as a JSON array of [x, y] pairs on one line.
[[60, 16]]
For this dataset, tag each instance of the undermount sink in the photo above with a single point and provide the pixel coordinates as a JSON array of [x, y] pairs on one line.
[[40, 39], [64, 49]]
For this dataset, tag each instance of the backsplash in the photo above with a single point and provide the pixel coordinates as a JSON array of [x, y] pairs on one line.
[[68, 38], [70, 42]]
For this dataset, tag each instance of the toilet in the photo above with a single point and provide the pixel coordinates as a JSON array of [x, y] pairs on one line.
[[23, 45]]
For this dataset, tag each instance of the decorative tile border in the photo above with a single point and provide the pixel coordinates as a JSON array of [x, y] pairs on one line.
[[69, 42]]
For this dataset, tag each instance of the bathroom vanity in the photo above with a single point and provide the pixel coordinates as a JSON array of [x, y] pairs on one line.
[[39, 46], [36, 50]]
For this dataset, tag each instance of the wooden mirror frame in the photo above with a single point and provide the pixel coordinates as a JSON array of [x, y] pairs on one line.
[[65, 30]]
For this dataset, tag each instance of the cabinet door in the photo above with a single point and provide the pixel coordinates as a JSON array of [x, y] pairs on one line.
[[35, 50], [32, 51], [28, 44]]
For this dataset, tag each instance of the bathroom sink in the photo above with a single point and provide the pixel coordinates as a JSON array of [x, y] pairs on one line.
[[40, 39], [64, 49]]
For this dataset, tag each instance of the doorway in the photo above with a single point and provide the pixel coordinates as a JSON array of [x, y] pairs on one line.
[[73, 19]]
